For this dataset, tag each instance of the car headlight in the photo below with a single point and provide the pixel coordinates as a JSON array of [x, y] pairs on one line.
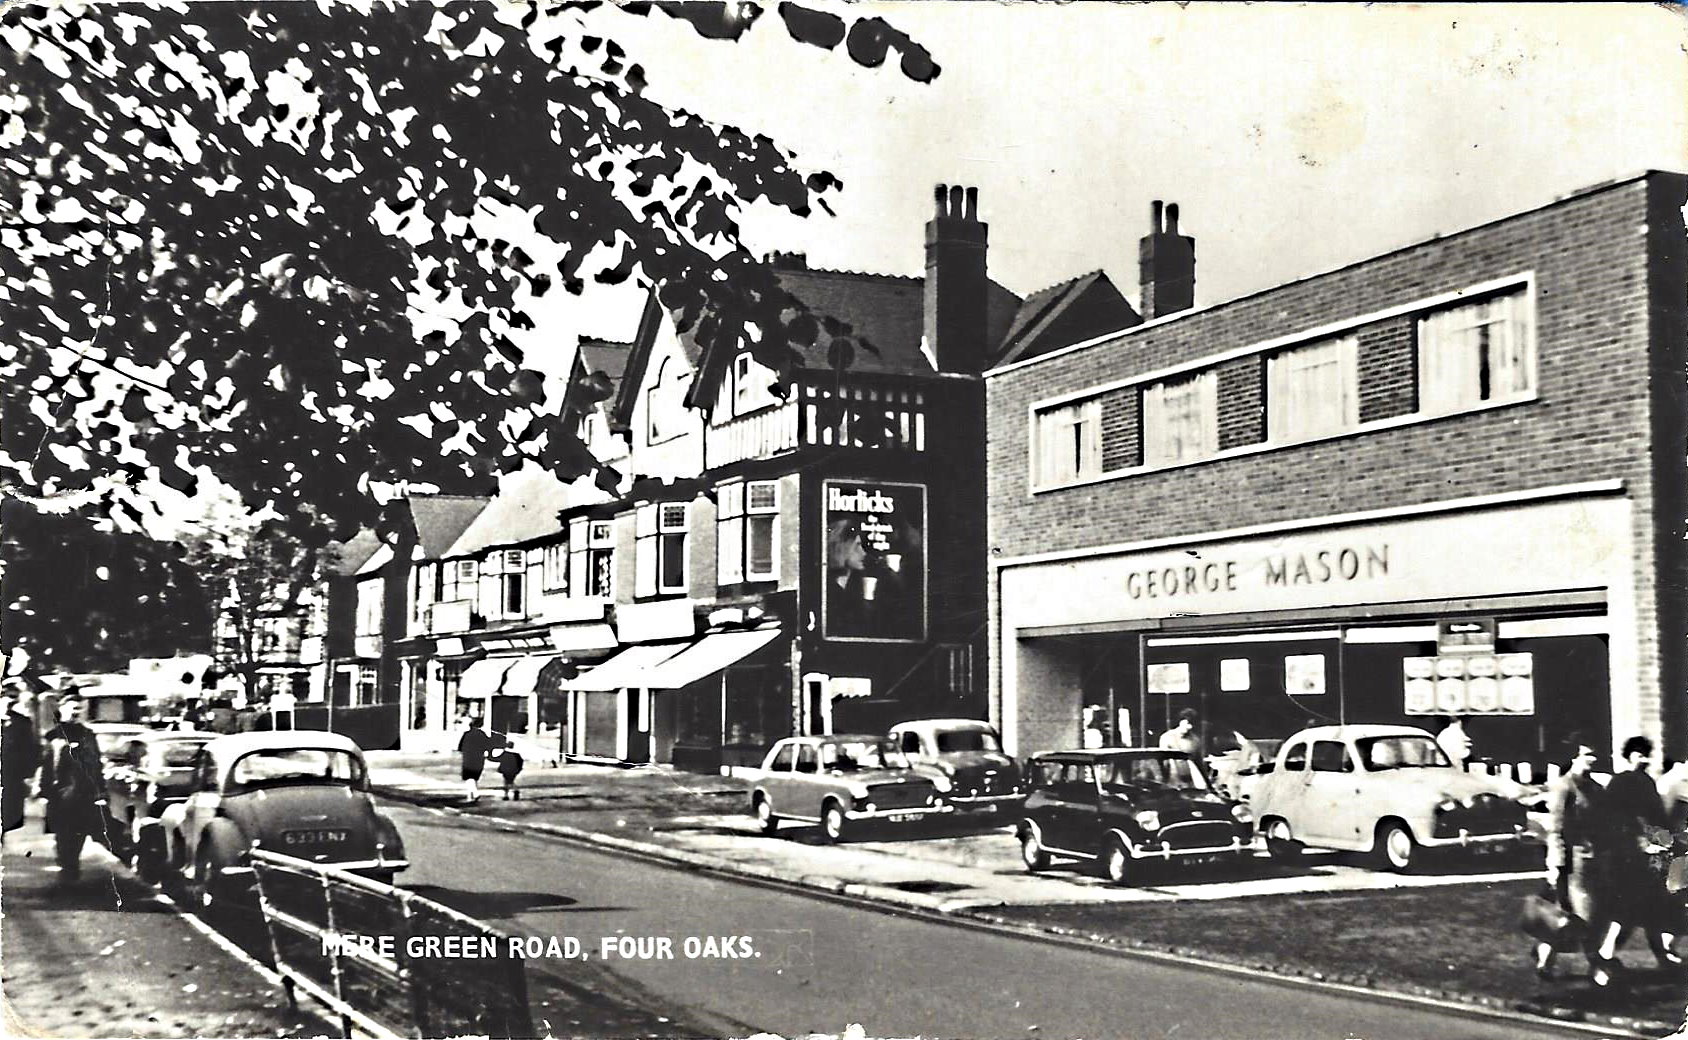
[[943, 783], [858, 791], [1447, 804], [1148, 819], [1241, 813]]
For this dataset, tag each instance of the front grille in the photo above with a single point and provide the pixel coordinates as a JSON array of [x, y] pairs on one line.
[[899, 796], [1488, 814], [1196, 834]]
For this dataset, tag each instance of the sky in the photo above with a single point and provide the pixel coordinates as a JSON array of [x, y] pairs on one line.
[[1294, 138]]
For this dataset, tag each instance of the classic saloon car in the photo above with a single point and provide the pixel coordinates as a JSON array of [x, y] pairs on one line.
[[146, 775], [1386, 790], [297, 792], [1123, 807], [836, 781], [966, 759]]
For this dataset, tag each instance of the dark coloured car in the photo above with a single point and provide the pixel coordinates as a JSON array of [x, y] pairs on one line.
[[297, 792], [147, 774], [1124, 807]]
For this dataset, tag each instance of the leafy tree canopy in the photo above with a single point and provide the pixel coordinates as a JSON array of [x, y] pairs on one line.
[[217, 222]]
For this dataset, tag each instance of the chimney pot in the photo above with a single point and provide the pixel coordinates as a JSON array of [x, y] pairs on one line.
[[1155, 217], [956, 195], [1172, 218], [940, 195], [972, 203]]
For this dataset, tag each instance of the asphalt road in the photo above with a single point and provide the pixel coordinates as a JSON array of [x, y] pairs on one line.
[[817, 965]]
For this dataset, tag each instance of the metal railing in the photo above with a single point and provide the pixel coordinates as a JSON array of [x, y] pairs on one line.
[[386, 960]]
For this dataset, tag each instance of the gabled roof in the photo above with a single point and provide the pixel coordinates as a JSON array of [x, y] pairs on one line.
[[441, 519], [344, 559], [1088, 305], [524, 510], [602, 355]]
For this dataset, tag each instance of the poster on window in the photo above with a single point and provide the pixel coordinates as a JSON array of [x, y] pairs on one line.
[[1304, 675], [875, 584], [1169, 678]]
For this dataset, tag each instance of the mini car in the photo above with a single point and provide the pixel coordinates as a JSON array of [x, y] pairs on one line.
[[1123, 807], [1385, 790], [298, 792], [966, 761], [837, 781], [147, 774]]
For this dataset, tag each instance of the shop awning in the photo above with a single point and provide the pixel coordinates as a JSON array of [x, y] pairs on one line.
[[481, 679], [707, 656], [591, 636], [520, 679], [627, 668]]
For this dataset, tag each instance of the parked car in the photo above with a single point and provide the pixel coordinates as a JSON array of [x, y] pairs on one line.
[[966, 761], [149, 772], [1122, 807], [298, 792], [1385, 790], [837, 781]]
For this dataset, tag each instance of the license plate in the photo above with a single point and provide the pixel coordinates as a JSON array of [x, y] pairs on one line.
[[903, 817], [319, 836]]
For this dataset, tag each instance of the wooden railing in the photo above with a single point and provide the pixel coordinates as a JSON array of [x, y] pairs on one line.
[[847, 417]]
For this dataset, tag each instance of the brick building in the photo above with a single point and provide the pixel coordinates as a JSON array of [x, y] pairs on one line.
[[1444, 480]]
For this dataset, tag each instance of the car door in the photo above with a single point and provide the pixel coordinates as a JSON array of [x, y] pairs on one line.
[[1351, 810], [1329, 794], [806, 786], [1285, 790], [1067, 807], [777, 782]]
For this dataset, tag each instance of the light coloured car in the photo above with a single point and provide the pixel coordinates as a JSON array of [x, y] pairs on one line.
[[966, 761], [149, 773], [1385, 790], [301, 793], [838, 781]]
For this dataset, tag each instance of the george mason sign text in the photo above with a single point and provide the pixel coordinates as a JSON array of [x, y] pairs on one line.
[[1318, 567]]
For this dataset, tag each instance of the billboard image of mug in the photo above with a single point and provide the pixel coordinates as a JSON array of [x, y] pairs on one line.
[[875, 583]]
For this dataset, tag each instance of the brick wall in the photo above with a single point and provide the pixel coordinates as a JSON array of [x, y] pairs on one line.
[[1242, 408], [1388, 365], [1122, 428]]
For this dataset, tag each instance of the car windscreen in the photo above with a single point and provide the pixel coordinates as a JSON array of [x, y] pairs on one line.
[[848, 755], [968, 740], [1128, 773], [1407, 751], [177, 753], [295, 765]]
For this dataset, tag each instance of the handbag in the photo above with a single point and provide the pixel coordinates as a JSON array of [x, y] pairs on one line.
[[1545, 919]]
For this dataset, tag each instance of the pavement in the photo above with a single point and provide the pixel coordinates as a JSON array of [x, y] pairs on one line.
[[107, 956], [957, 864]]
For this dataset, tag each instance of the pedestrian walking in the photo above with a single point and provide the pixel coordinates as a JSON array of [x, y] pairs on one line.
[[1182, 736], [20, 753], [473, 747], [73, 782], [1641, 857], [510, 767], [1579, 852], [1454, 741]]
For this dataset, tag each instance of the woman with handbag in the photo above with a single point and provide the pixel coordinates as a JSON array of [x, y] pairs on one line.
[[1579, 843], [1641, 857]]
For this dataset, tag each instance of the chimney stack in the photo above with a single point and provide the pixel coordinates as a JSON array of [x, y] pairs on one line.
[[1166, 265], [956, 283]]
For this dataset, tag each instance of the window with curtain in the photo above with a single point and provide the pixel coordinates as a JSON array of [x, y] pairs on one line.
[[1181, 420], [600, 559], [1068, 443], [729, 534], [554, 568], [1313, 390], [761, 530], [660, 548], [1476, 353]]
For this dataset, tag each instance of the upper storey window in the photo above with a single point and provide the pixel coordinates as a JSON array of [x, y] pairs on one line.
[[1069, 443], [1313, 390], [665, 408], [1474, 354], [1181, 420]]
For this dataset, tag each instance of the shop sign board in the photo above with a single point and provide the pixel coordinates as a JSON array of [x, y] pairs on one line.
[[1466, 636], [874, 586]]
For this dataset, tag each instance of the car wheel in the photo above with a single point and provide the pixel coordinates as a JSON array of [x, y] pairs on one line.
[[1395, 846], [765, 818], [1116, 863], [1032, 852], [832, 822], [1280, 841]]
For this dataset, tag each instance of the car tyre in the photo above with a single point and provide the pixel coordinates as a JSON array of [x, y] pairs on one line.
[[1116, 863], [1280, 841], [1032, 852], [766, 821], [832, 822], [1395, 846]]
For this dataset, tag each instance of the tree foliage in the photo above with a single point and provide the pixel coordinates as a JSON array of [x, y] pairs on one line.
[[218, 223]]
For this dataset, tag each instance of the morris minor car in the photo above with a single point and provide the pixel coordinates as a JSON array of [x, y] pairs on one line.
[[1121, 808], [965, 759], [1384, 790], [297, 792], [838, 781]]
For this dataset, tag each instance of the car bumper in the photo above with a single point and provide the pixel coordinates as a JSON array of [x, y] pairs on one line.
[[985, 802], [898, 814], [1237, 847], [1465, 839]]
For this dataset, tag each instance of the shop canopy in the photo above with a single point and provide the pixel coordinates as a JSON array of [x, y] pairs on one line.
[[627, 668], [481, 679], [523, 676], [707, 656]]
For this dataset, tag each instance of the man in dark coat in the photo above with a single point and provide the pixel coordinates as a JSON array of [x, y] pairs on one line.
[[473, 747], [73, 782], [20, 754]]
